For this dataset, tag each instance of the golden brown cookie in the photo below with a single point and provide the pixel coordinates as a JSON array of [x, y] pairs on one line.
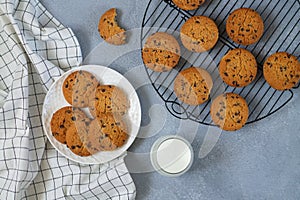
[[199, 34], [229, 111], [109, 98], [188, 4], [193, 85], [96, 140], [62, 119], [245, 26], [238, 68], [114, 126], [282, 71], [74, 136], [79, 87], [109, 29], [161, 52], [106, 133]]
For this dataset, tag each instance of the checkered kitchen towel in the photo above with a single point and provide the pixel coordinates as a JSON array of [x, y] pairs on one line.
[[35, 48]]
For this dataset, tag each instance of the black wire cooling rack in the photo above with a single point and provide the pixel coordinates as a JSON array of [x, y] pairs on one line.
[[282, 33]]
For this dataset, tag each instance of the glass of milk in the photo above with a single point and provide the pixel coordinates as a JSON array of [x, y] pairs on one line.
[[171, 155]]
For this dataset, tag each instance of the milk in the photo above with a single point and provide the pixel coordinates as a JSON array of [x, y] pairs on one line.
[[173, 155]]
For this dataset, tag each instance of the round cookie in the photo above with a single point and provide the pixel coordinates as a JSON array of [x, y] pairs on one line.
[[62, 119], [79, 87], [109, 98], [244, 26], [74, 136], [114, 127], [199, 34], [109, 29], [193, 85], [238, 68], [161, 52], [106, 133], [188, 4], [229, 111], [282, 71]]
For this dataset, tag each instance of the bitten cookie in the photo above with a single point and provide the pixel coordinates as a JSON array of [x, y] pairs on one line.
[[109, 29], [229, 111], [244, 26], [188, 4], [79, 87], [161, 52], [238, 68], [282, 71], [74, 139], [109, 98], [62, 119], [193, 85], [199, 34]]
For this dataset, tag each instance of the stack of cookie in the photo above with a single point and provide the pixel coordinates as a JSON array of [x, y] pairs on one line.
[[85, 136]]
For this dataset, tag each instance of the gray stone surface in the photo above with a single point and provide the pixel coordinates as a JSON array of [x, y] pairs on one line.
[[261, 161]]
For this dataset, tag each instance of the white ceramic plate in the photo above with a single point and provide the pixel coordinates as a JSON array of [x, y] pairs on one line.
[[55, 100]]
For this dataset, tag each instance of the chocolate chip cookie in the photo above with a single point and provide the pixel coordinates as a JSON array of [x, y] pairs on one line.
[[193, 85], [74, 139], [109, 29], [161, 52], [244, 26], [188, 4], [199, 34], [282, 71], [79, 87], [238, 68], [109, 98], [229, 111], [63, 119], [106, 133]]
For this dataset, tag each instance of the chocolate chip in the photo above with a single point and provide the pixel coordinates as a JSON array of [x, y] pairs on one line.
[[73, 118], [73, 147], [232, 31], [103, 90], [62, 126], [66, 86]]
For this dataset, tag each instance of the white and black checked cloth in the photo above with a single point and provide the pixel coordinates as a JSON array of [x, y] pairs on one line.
[[35, 48]]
